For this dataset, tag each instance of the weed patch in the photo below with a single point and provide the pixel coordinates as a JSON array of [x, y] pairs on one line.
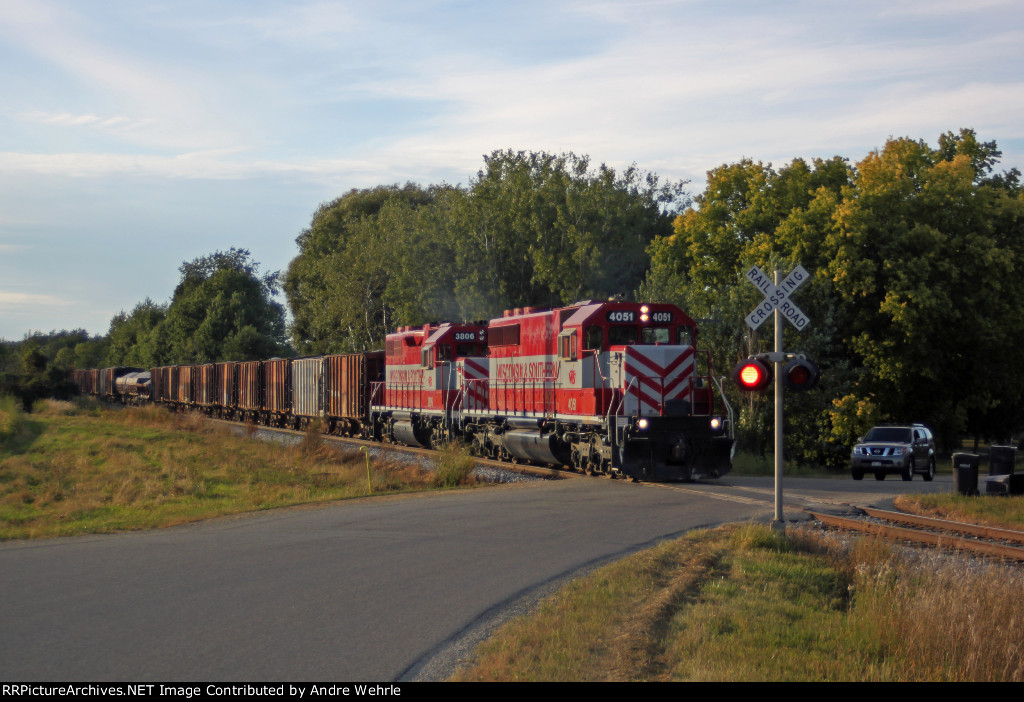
[[454, 466]]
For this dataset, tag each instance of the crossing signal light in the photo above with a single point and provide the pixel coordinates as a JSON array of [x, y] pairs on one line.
[[752, 375], [800, 374]]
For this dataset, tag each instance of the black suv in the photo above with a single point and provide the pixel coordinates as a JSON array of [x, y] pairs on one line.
[[895, 449]]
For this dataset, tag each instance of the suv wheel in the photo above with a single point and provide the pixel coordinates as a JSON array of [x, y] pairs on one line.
[[930, 473], [908, 470]]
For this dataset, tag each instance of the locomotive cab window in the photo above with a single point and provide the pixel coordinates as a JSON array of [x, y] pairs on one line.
[[593, 338], [567, 349], [685, 336], [621, 335], [654, 335]]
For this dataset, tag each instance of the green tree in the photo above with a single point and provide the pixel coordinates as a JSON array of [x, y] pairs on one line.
[[550, 230], [531, 229], [336, 285], [927, 258], [752, 214], [27, 374], [127, 339], [916, 262], [223, 309]]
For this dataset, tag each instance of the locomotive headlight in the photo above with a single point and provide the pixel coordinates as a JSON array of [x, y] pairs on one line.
[[716, 423], [644, 309], [641, 423], [644, 318]]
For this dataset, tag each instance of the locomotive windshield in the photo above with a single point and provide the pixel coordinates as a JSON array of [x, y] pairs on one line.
[[654, 335], [620, 335]]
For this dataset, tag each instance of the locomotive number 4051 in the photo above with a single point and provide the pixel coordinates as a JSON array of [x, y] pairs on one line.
[[622, 316]]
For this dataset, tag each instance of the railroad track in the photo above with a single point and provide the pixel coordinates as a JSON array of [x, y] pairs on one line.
[[524, 469], [989, 541]]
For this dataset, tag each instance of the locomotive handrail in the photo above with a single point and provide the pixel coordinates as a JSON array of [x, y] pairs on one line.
[[622, 399], [449, 409], [728, 408], [596, 354], [374, 387]]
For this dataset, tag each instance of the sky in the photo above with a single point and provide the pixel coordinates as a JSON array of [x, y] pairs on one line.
[[135, 135]]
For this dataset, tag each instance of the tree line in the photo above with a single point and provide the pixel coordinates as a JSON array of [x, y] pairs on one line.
[[916, 254]]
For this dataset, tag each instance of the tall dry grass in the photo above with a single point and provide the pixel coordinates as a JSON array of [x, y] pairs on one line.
[[944, 620], [747, 603]]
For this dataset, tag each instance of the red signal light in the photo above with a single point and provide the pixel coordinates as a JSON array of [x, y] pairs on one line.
[[752, 374], [800, 374]]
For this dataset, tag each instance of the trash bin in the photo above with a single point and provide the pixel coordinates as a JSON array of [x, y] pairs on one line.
[[1001, 460], [965, 473], [1011, 484]]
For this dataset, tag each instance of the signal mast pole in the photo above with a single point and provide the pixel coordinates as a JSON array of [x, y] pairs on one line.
[[779, 522], [804, 374]]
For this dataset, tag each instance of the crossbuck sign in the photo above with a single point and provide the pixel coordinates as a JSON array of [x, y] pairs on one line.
[[776, 297]]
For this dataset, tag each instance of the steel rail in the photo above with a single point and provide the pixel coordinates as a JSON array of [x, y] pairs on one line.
[[943, 540], [986, 532]]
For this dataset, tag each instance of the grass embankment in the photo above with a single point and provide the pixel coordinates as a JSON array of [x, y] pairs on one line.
[[72, 468], [745, 603]]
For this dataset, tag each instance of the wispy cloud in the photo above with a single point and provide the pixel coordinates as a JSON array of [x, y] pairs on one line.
[[67, 119], [168, 110], [12, 300]]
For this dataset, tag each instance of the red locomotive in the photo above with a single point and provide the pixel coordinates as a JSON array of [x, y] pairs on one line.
[[605, 387]]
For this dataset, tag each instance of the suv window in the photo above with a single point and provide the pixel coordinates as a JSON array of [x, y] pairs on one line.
[[888, 434]]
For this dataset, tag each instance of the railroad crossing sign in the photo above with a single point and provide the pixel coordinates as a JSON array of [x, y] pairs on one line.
[[776, 297]]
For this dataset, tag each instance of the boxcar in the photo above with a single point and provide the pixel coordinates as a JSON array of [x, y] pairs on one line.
[[183, 390], [349, 382], [225, 379], [277, 390], [307, 383], [204, 387], [249, 399]]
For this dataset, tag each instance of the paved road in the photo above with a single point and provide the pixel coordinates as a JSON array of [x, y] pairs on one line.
[[362, 590]]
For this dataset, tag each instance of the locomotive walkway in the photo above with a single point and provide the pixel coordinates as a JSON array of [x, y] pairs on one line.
[[372, 589]]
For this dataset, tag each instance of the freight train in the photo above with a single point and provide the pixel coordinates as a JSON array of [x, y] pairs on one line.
[[603, 387]]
